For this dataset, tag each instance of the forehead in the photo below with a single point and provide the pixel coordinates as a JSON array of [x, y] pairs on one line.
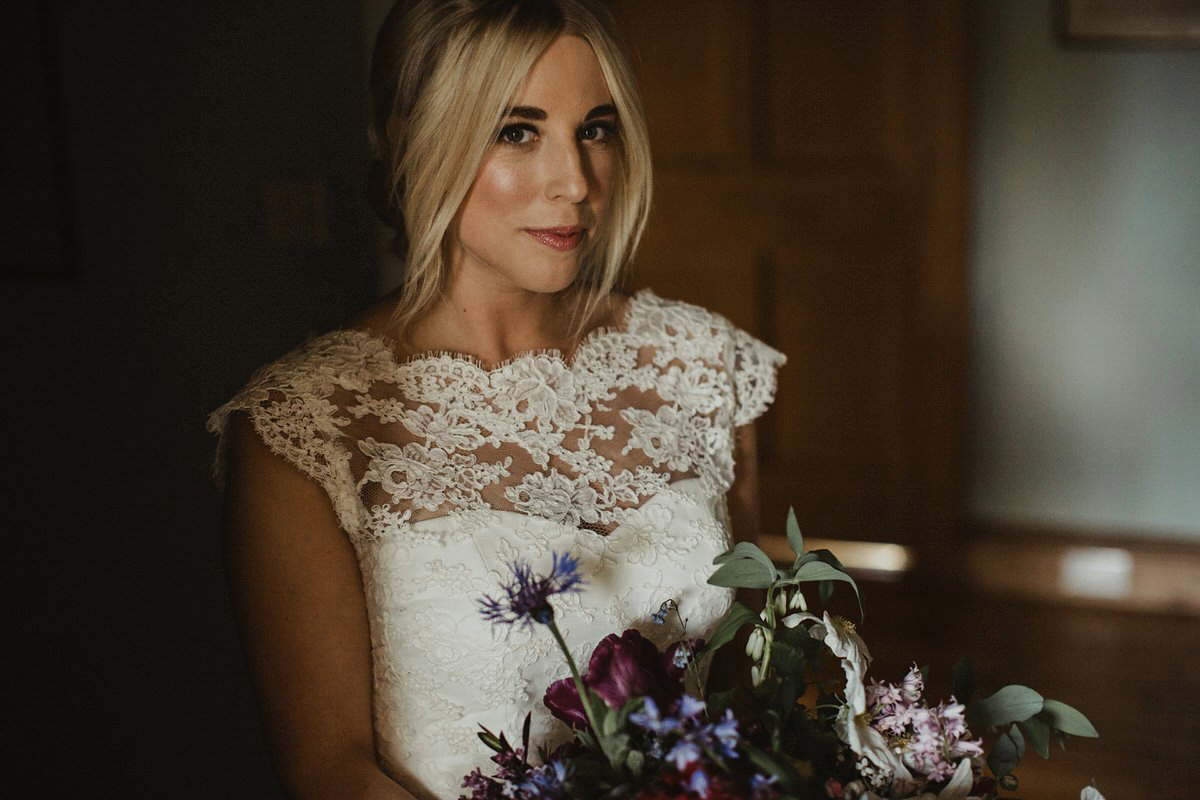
[[566, 75]]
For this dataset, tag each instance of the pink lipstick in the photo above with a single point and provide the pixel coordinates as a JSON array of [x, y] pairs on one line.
[[565, 238]]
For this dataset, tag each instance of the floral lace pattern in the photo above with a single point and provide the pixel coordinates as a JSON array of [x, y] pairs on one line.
[[441, 472]]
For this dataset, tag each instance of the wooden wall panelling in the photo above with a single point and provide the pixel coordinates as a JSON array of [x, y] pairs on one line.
[[809, 172]]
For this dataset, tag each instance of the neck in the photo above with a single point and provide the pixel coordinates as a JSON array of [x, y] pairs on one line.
[[492, 323]]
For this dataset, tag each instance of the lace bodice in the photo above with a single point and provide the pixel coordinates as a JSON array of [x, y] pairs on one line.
[[441, 472]]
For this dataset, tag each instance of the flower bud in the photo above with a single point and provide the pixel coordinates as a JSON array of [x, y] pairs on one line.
[[781, 603], [756, 643], [797, 602], [755, 675]]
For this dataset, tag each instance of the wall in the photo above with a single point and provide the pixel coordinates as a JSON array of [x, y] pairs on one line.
[[1086, 281], [216, 150]]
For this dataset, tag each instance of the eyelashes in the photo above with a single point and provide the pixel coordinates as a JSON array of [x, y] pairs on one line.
[[597, 132]]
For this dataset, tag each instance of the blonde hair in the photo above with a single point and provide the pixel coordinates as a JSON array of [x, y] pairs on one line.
[[443, 75]]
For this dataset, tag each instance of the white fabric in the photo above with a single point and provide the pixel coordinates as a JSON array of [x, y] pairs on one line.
[[442, 472]]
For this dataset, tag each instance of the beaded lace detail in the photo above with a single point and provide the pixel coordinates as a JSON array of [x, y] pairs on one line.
[[441, 471]]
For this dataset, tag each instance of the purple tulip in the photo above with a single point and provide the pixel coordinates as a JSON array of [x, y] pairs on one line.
[[622, 667]]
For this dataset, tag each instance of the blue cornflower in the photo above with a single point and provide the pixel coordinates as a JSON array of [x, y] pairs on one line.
[[763, 786], [686, 751], [726, 732], [698, 783], [547, 781], [528, 596], [690, 706], [651, 719]]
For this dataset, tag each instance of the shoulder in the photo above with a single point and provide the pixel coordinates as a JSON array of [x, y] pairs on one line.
[[652, 314], [680, 321], [349, 359]]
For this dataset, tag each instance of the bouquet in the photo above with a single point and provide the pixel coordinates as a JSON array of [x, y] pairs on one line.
[[808, 725]]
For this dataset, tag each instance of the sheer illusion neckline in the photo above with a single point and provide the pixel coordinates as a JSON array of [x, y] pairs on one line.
[[589, 340]]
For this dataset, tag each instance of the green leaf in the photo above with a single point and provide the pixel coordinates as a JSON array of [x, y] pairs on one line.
[[964, 680], [825, 591], [1007, 752], [1038, 734], [745, 573], [1066, 719], [737, 616], [608, 723], [745, 550], [719, 701], [634, 761], [820, 571], [767, 763], [786, 659], [490, 739], [925, 675], [795, 539], [1013, 703]]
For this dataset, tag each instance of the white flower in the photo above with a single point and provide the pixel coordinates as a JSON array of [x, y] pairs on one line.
[[856, 731], [959, 787], [1090, 793], [840, 637]]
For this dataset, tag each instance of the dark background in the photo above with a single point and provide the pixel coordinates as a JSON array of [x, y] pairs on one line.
[[189, 128]]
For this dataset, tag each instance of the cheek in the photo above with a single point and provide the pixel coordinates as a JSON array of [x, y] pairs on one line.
[[501, 187]]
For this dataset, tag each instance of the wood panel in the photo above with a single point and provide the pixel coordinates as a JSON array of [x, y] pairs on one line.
[[810, 163]]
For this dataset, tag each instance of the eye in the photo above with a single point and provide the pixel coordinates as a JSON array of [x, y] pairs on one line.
[[598, 132], [517, 134]]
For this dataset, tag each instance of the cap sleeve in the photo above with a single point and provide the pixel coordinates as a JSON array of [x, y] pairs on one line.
[[288, 405], [755, 376]]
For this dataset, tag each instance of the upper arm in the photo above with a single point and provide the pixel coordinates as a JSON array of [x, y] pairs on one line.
[[743, 493], [299, 602]]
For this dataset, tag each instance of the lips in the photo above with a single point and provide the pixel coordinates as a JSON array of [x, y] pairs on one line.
[[564, 238]]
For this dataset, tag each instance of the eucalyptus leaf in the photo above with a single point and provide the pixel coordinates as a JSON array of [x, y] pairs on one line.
[[964, 680], [1006, 753], [1066, 719], [737, 616], [745, 573], [1037, 733], [1013, 703], [795, 539]]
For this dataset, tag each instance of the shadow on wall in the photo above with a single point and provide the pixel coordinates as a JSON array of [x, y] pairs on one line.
[[216, 155]]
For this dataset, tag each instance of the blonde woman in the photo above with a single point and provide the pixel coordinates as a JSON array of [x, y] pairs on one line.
[[504, 403]]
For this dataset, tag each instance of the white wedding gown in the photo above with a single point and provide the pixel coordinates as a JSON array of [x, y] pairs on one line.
[[442, 473]]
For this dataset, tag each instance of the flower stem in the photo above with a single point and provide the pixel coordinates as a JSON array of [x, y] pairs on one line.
[[584, 697]]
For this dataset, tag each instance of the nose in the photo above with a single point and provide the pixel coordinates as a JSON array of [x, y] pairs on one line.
[[567, 173]]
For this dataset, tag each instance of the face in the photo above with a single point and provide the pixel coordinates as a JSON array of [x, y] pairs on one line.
[[543, 187]]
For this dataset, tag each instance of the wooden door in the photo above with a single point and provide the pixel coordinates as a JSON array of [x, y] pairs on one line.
[[810, 167]]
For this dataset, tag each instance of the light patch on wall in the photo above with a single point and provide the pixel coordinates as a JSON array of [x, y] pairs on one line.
[[1096, 572]]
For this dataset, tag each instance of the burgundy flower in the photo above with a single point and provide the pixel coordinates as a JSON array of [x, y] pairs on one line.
[[621, 667]]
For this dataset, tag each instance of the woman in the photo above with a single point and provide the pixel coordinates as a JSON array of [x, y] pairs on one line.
[[504, 403]]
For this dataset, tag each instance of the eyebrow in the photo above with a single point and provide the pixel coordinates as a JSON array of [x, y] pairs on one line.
[[535, 113]]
